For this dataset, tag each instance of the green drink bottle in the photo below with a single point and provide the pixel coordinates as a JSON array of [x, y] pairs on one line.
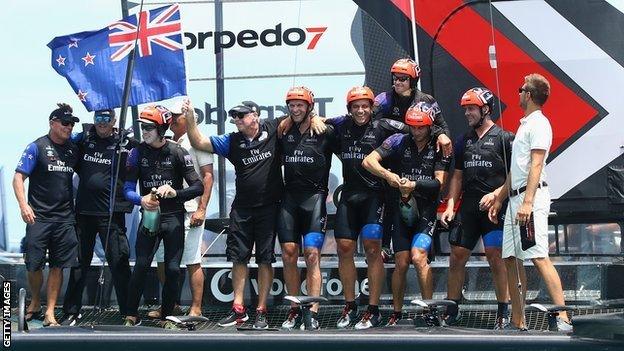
[[151, 218]]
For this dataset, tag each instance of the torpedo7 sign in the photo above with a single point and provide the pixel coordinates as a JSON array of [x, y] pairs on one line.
[[249, 38]]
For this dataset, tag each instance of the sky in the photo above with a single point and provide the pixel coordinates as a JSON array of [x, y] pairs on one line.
[[31, 88]]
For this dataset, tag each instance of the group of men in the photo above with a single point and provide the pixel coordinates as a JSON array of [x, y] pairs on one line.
[[396, 155]]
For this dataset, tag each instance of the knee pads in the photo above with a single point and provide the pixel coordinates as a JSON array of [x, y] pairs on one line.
[[422, 241], [493, 239], [372, 232], [314, 239]]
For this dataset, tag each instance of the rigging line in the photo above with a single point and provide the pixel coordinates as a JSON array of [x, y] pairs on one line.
[[294, 77], [514, 228]]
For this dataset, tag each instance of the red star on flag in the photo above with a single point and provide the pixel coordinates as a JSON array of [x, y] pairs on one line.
[[82, 95], [60, 60], [88, 59], [73, 44]]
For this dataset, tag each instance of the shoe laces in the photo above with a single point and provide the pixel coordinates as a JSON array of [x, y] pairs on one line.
[[394, 318], [366, 317], [292, 314], [346, 310]]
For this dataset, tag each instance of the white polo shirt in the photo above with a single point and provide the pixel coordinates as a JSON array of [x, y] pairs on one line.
[[200, 159], [534, 133]]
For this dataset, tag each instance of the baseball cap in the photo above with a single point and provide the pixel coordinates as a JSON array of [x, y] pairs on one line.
[[245, 107], [63, 114], [106, 113]]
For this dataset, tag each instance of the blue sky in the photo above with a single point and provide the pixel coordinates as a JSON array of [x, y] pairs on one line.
[[31, 88]]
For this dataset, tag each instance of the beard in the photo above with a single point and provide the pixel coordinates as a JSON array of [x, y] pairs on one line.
[[151, 137]]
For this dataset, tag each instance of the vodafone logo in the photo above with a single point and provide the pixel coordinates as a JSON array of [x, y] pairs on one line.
[[250, 38]]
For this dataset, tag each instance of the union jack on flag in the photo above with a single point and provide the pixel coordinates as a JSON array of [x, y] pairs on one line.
[[94, 63], [154, 30]]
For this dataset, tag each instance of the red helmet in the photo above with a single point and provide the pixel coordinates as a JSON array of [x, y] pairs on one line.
[[478, 96], [419, 115], [357, 93], [300, 93], [406, 66], [155, 114]]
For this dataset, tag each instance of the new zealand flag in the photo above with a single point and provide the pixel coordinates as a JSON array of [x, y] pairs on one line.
[[94, 63]]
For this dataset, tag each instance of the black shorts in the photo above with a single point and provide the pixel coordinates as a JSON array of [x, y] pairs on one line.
[[301, 214], [402, 235], [249, 226], [471, 223], [355, 210], [58, 239]]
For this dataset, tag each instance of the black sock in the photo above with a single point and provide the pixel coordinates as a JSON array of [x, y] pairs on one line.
[[352, 305], [503, 309], [452, 310], [314, 314], [373, 309]]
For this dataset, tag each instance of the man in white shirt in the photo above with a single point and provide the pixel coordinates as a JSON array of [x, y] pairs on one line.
[[193, 218], [528, 195]]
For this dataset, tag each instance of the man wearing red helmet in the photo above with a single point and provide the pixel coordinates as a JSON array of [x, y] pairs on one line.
[[482, 158], [302, 216], [163, 165], [418, 171], [393, 104], [361, 207]]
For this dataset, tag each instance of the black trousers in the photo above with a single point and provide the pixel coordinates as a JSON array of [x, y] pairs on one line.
[[117, 254], [172, 234]]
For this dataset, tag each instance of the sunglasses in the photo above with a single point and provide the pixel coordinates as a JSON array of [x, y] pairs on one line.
[[237, 115], [148, 127], [65, 123], [400, 79], [521, 90], [102, 119]]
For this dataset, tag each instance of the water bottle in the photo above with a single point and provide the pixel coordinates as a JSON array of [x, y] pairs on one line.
[[151, 218]]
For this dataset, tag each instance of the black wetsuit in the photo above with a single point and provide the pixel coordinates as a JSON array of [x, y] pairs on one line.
[[170, 164]]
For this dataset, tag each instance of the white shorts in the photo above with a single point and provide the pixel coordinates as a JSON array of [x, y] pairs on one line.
[[192, 244], [511, 231]]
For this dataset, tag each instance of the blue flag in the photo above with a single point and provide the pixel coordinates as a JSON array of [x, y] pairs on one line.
[[94, 63]]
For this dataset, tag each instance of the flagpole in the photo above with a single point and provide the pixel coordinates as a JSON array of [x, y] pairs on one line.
[[414, 34], [220, 109], [135, 110], [116, 164], [128, 80]]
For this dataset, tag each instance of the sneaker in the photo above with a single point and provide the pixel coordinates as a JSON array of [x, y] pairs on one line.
[[170, 325], [293, 319], [563, 326], [348, 315], [511, 327], [387, 255], [369, 320], [501, 322], [71, 319], [233, 318], [430, 319], [394, 318], [315, 325], [261, 320], [450, 319], [131, 323]]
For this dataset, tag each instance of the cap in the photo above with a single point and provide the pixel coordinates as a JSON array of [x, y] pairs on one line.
[[64, 115], [106, 113], [245, 107]]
